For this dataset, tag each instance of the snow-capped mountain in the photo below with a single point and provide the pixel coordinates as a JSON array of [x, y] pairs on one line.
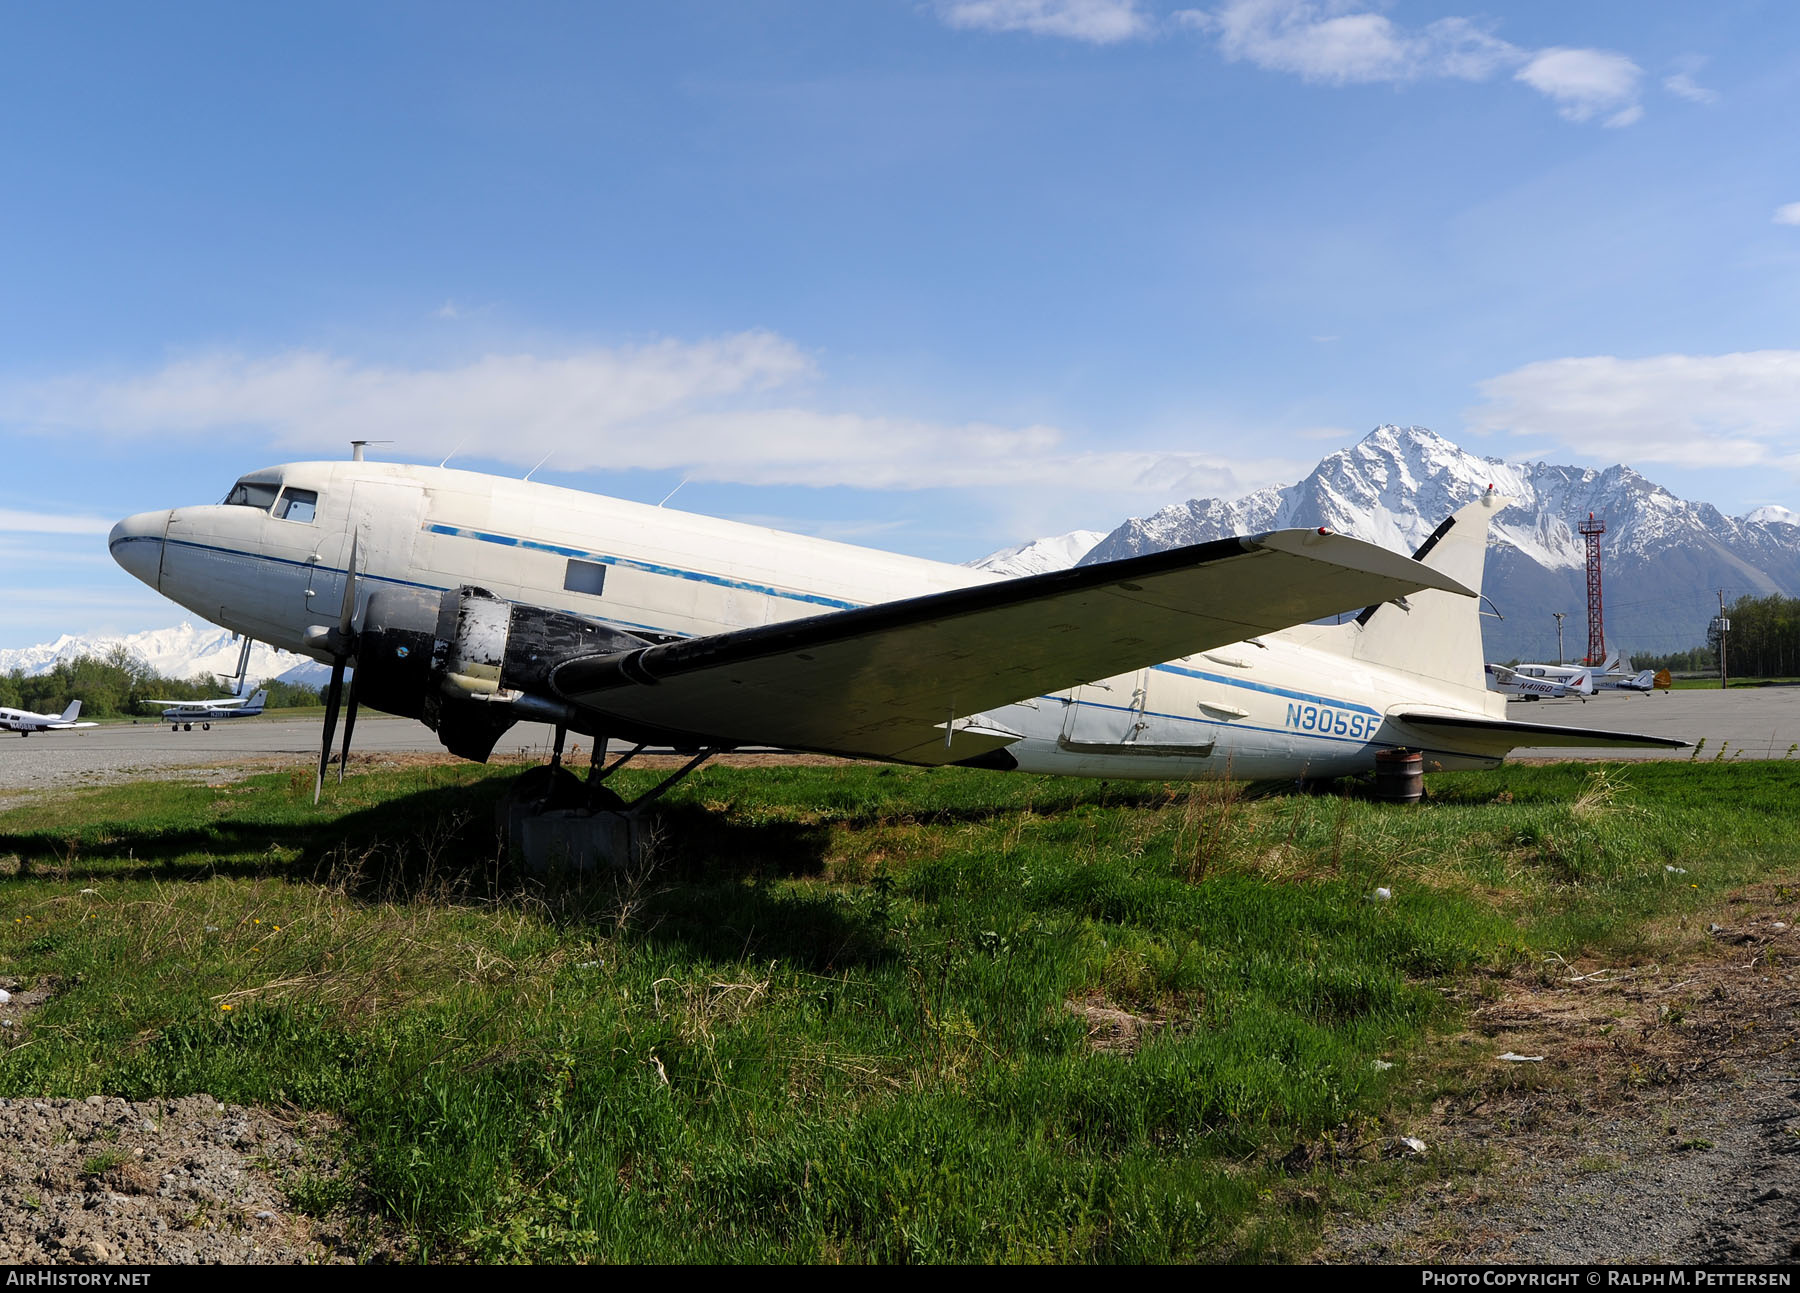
[[1663, 558], [180, 652], [1041, 555], [1772, 514]]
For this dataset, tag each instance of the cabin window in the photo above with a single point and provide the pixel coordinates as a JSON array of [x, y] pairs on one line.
[[298, 505], [585, 577], [251, 493]]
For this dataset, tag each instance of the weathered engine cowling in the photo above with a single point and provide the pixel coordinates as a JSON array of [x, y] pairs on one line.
[[394, 650], [487, 665]]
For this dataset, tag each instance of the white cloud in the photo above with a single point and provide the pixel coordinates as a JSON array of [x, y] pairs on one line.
[[1684, 86], [1330, 42], [1586, 83], [1345, 42], [1101, 22], [730, 409], [17, 522], [1690, 410], [1788, 214]]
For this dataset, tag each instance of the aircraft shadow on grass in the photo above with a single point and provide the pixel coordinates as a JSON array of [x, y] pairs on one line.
[[702, 891]]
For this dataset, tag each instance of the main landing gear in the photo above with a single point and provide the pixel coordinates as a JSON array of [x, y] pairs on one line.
[[555, 820]]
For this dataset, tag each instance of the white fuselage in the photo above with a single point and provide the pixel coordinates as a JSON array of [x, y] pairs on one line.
[[1285, 705], [23, 720]]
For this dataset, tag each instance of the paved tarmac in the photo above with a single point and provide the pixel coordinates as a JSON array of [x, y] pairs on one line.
[[1744, 722], [1747, 723], [123, 751]]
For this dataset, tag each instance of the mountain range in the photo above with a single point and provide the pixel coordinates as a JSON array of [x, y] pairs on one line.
[[179, 652], [1664, 559]]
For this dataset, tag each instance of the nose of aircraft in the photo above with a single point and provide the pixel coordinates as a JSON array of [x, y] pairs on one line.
[[137, 544]]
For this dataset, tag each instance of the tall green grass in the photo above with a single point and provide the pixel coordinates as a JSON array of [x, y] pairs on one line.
[[841, 1019]]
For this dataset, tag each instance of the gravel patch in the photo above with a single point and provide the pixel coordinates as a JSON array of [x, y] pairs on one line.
[[189, 1180], [1660, 1125]]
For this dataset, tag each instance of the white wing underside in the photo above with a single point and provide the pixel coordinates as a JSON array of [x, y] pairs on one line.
[[900, 680]]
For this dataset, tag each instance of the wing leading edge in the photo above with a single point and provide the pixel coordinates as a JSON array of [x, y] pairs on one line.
[[890, 680]]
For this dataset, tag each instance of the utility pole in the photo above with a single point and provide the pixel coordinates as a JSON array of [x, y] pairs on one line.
[[1724, 632], [1559, 619]]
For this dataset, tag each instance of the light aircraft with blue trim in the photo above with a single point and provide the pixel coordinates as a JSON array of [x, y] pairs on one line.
[[183, 714], [471, 602], [24, 722]]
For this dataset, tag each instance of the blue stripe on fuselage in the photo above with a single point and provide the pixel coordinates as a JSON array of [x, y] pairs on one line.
[[649, 568]]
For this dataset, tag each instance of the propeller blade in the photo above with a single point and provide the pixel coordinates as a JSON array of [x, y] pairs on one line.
[[349, 726], [332, 696], [347, 612]]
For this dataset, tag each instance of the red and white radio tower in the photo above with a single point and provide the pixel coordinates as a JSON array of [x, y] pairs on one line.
[[1591, 530]]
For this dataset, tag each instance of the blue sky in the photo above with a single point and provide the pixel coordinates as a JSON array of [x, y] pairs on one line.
[[933, 275]]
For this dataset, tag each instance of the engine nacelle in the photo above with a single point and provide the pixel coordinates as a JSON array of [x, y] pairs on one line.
[[470, 664]]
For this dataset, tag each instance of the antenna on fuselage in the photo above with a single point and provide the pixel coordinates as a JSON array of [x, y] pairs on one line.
[[671, 494], [357, 447], [540, 463], [459, 444]]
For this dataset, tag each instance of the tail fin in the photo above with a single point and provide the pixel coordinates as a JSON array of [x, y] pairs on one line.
[[256, 701], [1583, 683], [72, 713], [1433, 634]]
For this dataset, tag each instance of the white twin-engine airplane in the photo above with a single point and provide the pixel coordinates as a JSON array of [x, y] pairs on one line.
[[471, 602], [185, 713], [24, 722]]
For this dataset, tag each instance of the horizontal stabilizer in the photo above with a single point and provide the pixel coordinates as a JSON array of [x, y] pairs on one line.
[[1473, 734], [886, 680]]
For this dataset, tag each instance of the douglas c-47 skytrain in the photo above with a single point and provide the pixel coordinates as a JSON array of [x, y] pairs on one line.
[[471, 602]]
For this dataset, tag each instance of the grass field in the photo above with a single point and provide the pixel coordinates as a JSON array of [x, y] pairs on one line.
[[850, 1013]]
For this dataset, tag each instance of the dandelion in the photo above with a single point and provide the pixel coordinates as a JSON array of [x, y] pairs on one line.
[[224, 1005]]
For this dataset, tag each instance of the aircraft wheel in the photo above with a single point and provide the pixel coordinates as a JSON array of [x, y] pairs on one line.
[[187, 727], [206, 727]]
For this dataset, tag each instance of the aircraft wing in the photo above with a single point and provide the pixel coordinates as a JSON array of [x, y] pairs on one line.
[[891, 680], [1474, 734]]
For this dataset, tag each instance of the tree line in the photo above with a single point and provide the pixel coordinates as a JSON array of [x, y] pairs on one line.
[[1765, 637], [117, 685], [1764, 642]]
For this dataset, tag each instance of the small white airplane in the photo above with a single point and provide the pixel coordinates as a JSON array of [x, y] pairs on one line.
[[473, 602], [24, 722], [1644, 680], [1614, 674], [183, 714], [1516, 682]]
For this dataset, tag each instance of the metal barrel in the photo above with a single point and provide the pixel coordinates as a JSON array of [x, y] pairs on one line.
[[1400, 776]]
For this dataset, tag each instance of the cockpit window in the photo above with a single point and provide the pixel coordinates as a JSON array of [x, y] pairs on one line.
[[298, 505], [250, 493]]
